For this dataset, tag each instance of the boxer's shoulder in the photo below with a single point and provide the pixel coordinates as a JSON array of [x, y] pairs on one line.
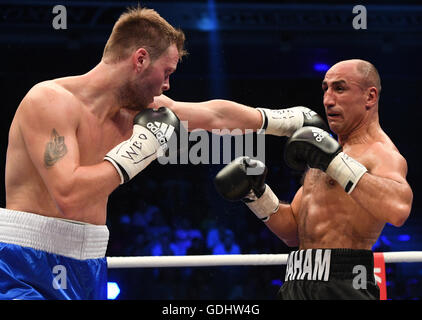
[[51, 91], [49, 99], [378, 152]]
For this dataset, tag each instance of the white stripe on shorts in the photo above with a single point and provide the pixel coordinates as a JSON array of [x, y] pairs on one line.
[[68, 238]]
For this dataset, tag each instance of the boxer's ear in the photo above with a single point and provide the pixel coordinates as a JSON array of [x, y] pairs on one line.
[[140, 59], [372, 95]]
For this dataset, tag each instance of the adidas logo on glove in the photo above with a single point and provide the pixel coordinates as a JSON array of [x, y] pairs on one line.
[[162, 132], [319, 134], [150, 139]]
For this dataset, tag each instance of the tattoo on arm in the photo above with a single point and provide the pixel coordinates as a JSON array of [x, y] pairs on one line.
[[55, 149]]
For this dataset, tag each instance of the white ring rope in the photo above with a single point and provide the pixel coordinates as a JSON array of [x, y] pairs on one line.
[[231, 260]]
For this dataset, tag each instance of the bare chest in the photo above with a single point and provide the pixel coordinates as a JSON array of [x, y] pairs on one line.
[[95, 139], [316, 180], [329, 217], [319, 180], [323, 201]]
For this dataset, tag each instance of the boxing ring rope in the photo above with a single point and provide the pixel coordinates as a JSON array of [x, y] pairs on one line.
[[231, 260]]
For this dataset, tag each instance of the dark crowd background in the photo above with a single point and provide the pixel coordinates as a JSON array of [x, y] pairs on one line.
[[260, 53]]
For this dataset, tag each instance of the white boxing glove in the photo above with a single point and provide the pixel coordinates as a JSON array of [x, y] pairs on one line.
[[153, 130], [284, 122]]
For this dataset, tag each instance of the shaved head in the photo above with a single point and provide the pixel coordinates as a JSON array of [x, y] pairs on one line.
[[369, 74], [351, 94], [366, 70]]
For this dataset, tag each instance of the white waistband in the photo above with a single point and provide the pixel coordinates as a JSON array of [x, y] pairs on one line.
[[63, 237]]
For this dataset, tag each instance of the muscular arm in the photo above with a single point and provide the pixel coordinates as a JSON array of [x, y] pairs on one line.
[[213, 114], [383, 190], [48, 124], [283, 223]]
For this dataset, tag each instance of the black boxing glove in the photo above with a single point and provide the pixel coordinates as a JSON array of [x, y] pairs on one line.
[[153, 131], [244, 179], [313, 147], [283, 122]]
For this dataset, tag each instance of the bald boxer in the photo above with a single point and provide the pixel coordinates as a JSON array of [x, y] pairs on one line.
[[351, 189], [74, 140]]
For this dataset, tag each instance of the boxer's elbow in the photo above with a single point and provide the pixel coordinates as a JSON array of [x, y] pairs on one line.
[[66, 205], [291, 242], [291, 239], [401, 208], [68, 200], [400, 215]]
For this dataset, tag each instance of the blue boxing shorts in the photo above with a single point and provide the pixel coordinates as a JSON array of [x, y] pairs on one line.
[[49, 258]]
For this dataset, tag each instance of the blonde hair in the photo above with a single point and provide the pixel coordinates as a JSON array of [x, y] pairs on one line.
[[142, 28]]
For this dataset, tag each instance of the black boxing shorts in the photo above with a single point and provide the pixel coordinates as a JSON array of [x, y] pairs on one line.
[[330, 274]]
